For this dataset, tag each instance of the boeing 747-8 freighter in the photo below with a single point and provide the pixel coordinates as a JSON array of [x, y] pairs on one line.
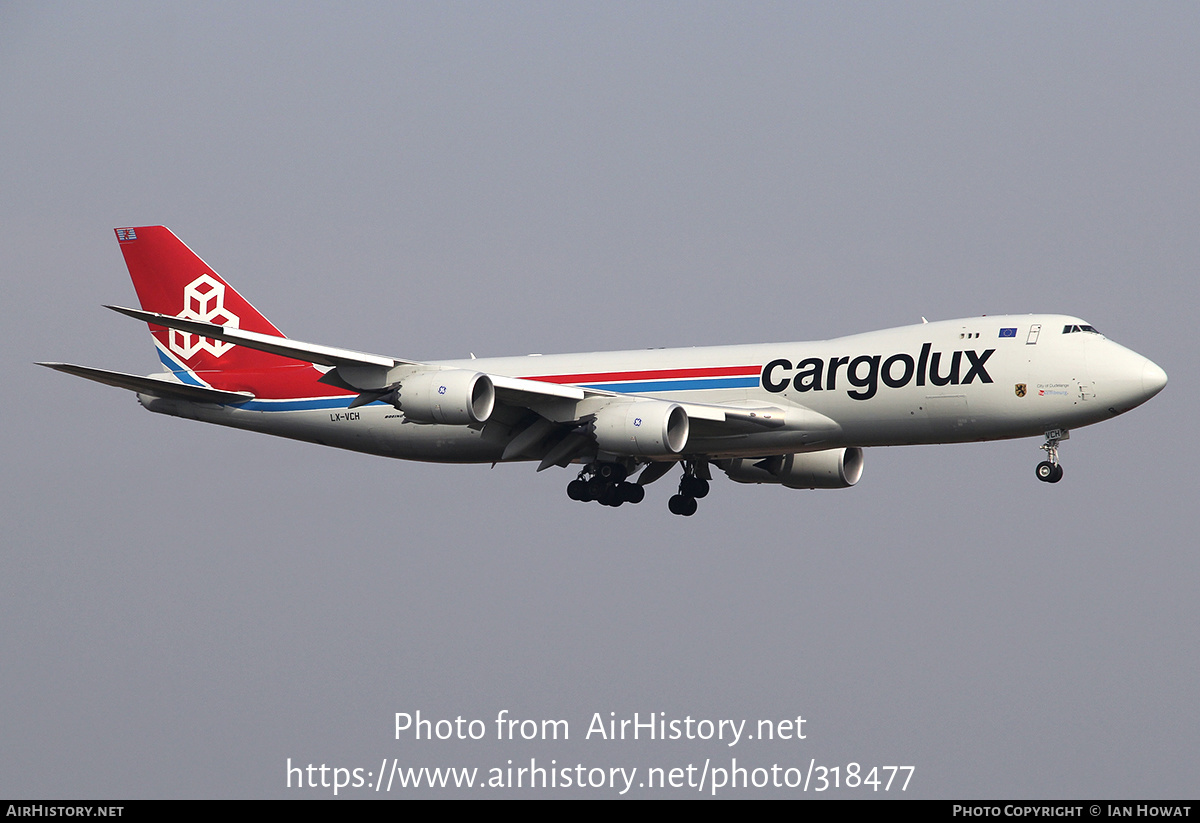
[[796, 414]]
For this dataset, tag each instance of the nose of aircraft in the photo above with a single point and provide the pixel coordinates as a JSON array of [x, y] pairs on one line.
[[1153, 379], [1125, 378]]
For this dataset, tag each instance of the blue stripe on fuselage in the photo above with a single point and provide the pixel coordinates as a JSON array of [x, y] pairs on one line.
[[321, 403], [184, 375], [300, 404]]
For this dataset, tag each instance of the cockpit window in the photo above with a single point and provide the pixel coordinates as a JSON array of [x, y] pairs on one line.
[[1069, 329]]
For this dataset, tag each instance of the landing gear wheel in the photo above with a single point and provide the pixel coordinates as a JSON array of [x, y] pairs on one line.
[[596, 487], [683, 505], [1051, 471], [693, 487], [611, 496], [605, 483], [632, 493]]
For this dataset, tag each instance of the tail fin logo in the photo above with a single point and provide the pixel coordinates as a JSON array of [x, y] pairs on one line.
[[203, 299]]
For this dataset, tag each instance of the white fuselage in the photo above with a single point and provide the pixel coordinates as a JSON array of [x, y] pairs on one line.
[[984, 378]]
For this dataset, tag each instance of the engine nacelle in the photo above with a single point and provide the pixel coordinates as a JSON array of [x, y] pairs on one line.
[[649, 428], [455, 397], [829, 469]]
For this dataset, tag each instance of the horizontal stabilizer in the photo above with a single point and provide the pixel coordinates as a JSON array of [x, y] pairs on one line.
[[152, 385]]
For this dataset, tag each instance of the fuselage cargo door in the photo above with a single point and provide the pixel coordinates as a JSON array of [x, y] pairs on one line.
[[948, 417]]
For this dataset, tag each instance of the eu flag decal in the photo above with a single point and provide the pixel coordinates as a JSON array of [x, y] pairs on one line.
[[1008, 332]]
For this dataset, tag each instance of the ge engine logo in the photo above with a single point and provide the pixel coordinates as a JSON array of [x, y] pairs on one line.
[[203, 299]]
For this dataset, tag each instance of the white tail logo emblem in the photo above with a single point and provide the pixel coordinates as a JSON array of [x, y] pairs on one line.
[[203, 299]]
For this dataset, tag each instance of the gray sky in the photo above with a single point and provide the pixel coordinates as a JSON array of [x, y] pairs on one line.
[[186, 607]]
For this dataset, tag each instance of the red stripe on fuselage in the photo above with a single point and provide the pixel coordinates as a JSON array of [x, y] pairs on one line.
[[653, 374]]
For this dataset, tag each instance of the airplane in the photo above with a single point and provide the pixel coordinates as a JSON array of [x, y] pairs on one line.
[[792, 414]]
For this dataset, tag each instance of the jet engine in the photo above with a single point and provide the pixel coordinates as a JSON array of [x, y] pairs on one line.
[[646, 428], [829, 469], [455, 397]]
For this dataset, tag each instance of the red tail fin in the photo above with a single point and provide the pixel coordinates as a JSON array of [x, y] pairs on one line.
[[171, 279]]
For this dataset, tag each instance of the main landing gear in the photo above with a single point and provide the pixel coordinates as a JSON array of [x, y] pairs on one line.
[[692, 486], [1051, 471], [605, 483]]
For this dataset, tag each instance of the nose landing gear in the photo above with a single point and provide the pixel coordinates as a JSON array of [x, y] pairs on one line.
[[1051, 471]]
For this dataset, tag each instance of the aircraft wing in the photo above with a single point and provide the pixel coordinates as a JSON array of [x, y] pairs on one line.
[[373, 373], [510, 390], [358, 369], [152, 385]]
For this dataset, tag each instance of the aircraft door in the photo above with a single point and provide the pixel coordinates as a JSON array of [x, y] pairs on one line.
[[948, 416]]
